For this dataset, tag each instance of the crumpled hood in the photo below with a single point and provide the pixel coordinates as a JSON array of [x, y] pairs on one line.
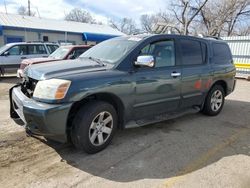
[[62, 68]]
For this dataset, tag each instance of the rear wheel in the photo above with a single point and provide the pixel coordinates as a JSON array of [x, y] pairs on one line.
[[94, 126], [214, 101]]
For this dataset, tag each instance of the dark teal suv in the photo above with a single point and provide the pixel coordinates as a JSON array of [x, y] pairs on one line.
[[123, 82]]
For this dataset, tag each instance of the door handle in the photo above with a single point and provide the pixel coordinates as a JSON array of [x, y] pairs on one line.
[[23, 57], [175, 74]]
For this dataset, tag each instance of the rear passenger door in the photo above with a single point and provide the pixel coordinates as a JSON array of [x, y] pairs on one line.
[[196, 72]]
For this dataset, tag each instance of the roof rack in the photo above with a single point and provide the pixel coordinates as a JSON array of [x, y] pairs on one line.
[[210, 37], [42, 42]]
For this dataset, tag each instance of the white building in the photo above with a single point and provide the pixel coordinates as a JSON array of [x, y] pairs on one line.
[[17, 28], [240, 47]]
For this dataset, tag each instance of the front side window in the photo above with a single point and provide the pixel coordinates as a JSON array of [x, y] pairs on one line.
[[193, 52], [163, 53], [18, 50], [79, 51]]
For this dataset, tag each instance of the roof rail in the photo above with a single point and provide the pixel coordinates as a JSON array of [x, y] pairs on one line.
[[209, 36], [42, 42]]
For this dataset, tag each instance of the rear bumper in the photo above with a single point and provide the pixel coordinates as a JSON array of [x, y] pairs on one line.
[[234, 85], [231, 87], [48, 120]]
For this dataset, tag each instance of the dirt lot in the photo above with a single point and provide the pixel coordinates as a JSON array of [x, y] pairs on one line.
[[191, 151]]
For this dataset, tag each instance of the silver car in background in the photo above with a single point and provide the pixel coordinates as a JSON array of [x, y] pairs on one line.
[[12, 54]]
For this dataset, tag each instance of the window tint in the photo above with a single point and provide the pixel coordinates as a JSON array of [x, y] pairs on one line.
[[52, 48], [192, 52], [163, 52], [36, 49], [221, 53], [18, 50]]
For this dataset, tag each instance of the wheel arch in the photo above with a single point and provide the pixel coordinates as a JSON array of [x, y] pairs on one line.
[[217, 82], [221, 83], [110, 98]]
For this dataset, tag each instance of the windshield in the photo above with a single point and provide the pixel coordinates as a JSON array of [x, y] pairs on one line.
[[60, 53], [110, 51], [4, 48]]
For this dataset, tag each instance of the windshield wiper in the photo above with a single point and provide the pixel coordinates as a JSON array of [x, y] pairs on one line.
[[97, 61]]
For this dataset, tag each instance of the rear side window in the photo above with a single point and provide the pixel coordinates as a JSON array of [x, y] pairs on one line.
[[36, 49], [221, 53], [193, 52]]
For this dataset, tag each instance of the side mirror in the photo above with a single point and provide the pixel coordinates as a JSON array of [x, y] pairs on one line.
[[6, 53], [145, 61]]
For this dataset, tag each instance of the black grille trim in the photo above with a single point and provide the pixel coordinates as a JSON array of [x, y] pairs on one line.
[[28, 86]]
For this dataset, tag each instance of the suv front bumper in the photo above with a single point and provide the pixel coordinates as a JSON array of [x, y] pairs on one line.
[[49, 120]]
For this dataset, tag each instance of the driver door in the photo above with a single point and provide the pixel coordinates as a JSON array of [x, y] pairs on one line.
[[158, 88]]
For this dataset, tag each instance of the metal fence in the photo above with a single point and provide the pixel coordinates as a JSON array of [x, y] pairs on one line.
[[240, 47]]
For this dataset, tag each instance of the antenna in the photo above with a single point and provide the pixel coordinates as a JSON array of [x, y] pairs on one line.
[[5, 7]]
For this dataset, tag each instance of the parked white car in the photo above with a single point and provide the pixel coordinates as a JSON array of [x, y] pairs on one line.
[[12, 54]]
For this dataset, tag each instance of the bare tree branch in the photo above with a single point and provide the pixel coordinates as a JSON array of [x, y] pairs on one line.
[[125, 25], [79, 15], [185, 12]]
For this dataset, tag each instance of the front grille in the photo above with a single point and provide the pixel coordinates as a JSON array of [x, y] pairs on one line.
[[28, 86]]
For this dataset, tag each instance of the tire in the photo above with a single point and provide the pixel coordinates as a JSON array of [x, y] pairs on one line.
[[89, 128], [214, 101]]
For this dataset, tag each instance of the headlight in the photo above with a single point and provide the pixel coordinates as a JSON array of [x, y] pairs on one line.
[[54, 89]]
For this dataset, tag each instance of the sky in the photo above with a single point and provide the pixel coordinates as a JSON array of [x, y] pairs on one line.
[[101, 10]]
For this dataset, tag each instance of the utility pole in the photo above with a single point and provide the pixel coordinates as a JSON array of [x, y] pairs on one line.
[[29, 7]]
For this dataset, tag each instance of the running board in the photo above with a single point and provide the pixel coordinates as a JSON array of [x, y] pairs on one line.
[[159, 118]]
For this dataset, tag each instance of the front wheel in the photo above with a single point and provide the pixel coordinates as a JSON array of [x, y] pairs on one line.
[[214, 101], [94, 126]]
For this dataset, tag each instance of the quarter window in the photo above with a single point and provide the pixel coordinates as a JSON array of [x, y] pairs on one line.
[[163, 52], [193, 52], [52, 48], [221, 53]]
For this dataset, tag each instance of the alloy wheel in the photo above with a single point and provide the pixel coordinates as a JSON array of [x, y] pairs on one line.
[[216, 100], [101, 128]]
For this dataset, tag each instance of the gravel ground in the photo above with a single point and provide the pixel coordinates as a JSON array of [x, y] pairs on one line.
[[191, 151]]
